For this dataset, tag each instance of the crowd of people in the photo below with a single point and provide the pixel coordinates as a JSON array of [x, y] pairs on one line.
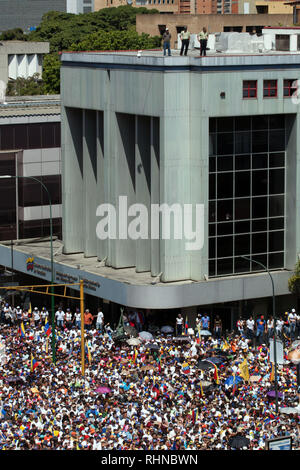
[[168, 391]]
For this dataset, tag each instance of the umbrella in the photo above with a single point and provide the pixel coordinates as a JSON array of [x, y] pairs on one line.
[[148, 367], [215, 360], [133, 341], [255, 378], [131, 331], [13, 379], [145, 335], [103, 390], [205, 365], [206, 383], [152, 346], [205, 333], [182, 338], [238, 442], [289, 410], [167, 329], [272, 394], [233, 380]]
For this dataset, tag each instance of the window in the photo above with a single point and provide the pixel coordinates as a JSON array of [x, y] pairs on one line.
[[290, 87], [249, 89], [246, 193], [270, 88]]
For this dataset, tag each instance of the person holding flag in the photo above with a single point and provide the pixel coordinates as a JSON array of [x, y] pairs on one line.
[[244, 371], [33, 364], [22, 330], [186, 326]]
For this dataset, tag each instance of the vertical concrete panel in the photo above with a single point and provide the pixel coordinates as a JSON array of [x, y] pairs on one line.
[[72, 180], [102, 179], [155, 191], [143, 188], [292, 239], [122, 183], [175, 172], [90, 181]]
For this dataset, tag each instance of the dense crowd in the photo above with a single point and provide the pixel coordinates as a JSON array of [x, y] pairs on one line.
[[158, 393]]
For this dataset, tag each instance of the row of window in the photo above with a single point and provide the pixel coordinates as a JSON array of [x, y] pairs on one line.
[[270, 88], [30, 136]]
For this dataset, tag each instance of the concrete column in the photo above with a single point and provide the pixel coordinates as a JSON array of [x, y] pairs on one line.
[[90, 181], [293, 42], [143, 188], [102, 178], [122, 183], [199, 192], [155, 192], [175, 174], [72, 180], [292, 239]]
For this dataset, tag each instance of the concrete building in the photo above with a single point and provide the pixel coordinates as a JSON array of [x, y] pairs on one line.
[[177, 130], [30, 146], [21, 59], [164, 6], [220, 131], [154, 24], [27, 14]]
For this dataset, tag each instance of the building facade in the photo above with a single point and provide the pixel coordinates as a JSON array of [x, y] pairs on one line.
[[30, 147], [214, 23], [222, 133]]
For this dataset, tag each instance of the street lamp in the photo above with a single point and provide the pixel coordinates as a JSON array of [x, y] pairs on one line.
[[274, 325], [51, 255]]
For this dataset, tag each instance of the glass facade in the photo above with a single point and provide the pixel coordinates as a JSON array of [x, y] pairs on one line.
[[246, 193]]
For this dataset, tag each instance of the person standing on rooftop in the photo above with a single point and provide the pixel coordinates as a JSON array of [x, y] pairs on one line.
[[167, 41], [185, 40], [202, 38]]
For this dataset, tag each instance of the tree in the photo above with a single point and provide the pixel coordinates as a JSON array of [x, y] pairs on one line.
[[294, 281], [15, 34], [116, 40], [51, 74], [25, 86]]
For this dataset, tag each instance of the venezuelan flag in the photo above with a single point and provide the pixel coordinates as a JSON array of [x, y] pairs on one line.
[[47, 329], [186, 325], [88, 353], [22, 330], [216, 376], [34, 364]]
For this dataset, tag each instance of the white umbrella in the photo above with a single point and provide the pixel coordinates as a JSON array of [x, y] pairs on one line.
[[133, 341], [290, 410], [167, 329], [145, 336], [205, 333]]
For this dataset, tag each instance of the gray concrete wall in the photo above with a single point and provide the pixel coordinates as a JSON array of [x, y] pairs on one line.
[[183, 101]]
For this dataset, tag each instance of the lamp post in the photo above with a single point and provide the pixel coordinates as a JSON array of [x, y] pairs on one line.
[[274, 325], [51, 254]]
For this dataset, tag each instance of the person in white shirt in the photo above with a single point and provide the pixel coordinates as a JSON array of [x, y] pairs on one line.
[[250, 328], [292, 319], [19, 315], [60, 316], [270, 328], [69, 318], [36, 316], [179, 324], [77, 318], [279, 326], [100, 321], [44, 315]]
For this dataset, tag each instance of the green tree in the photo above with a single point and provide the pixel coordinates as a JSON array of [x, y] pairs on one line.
[[116, 40], [294, 280], [25, 86], [51, 74], [15, 34]]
